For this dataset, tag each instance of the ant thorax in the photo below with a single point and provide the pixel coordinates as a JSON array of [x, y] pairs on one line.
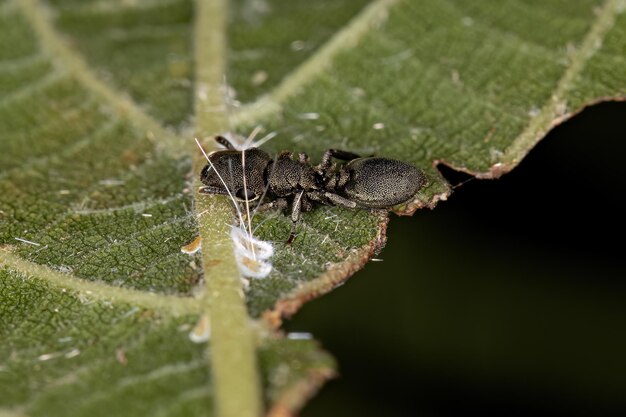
[[287, 175], [334, 178]]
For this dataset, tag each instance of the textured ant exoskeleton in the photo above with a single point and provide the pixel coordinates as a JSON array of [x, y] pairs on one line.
[[370, 182]]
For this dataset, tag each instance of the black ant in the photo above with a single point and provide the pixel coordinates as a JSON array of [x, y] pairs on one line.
[[369, 182]]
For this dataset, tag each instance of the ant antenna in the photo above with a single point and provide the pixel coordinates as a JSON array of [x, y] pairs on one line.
[[224, 142]]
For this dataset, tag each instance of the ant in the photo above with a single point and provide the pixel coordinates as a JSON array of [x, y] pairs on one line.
[[361, 182]]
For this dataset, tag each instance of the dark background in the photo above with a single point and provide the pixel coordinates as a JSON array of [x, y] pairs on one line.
[[508, 299]]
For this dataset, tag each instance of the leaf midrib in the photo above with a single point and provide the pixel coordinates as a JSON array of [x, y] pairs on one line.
[[234, 367]]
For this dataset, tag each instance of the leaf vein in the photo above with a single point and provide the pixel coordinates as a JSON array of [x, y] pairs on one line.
[[555, 108], [32, 88], [21, 63], [78, 145], [55, 46], [350, 35], [176, 306]]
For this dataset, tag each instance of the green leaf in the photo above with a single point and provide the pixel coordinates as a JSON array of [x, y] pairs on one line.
[[99, 104], [74, 348], [472, 86]]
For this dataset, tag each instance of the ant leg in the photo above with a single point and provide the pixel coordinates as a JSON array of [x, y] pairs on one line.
[[316, 196], [335, 153], [306, 204], [343, 155], [296, 212], [212, 190], [278, 204], [330, 199], [339, 200], [225, 143], [326, 161]]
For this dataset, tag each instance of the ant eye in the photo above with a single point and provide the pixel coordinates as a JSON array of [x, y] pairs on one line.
[[244, 194]]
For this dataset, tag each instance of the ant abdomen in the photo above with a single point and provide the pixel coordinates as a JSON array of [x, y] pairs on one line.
[[381, 182]]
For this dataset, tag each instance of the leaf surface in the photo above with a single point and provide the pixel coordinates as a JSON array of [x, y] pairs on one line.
[[99, 104]]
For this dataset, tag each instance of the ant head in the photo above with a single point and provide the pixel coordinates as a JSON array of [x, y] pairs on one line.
[[238, 173]]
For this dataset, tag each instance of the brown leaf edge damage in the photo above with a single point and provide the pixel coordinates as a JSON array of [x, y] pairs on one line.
[[334, 276], [500, 168], [340, 272], [294, 399]]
